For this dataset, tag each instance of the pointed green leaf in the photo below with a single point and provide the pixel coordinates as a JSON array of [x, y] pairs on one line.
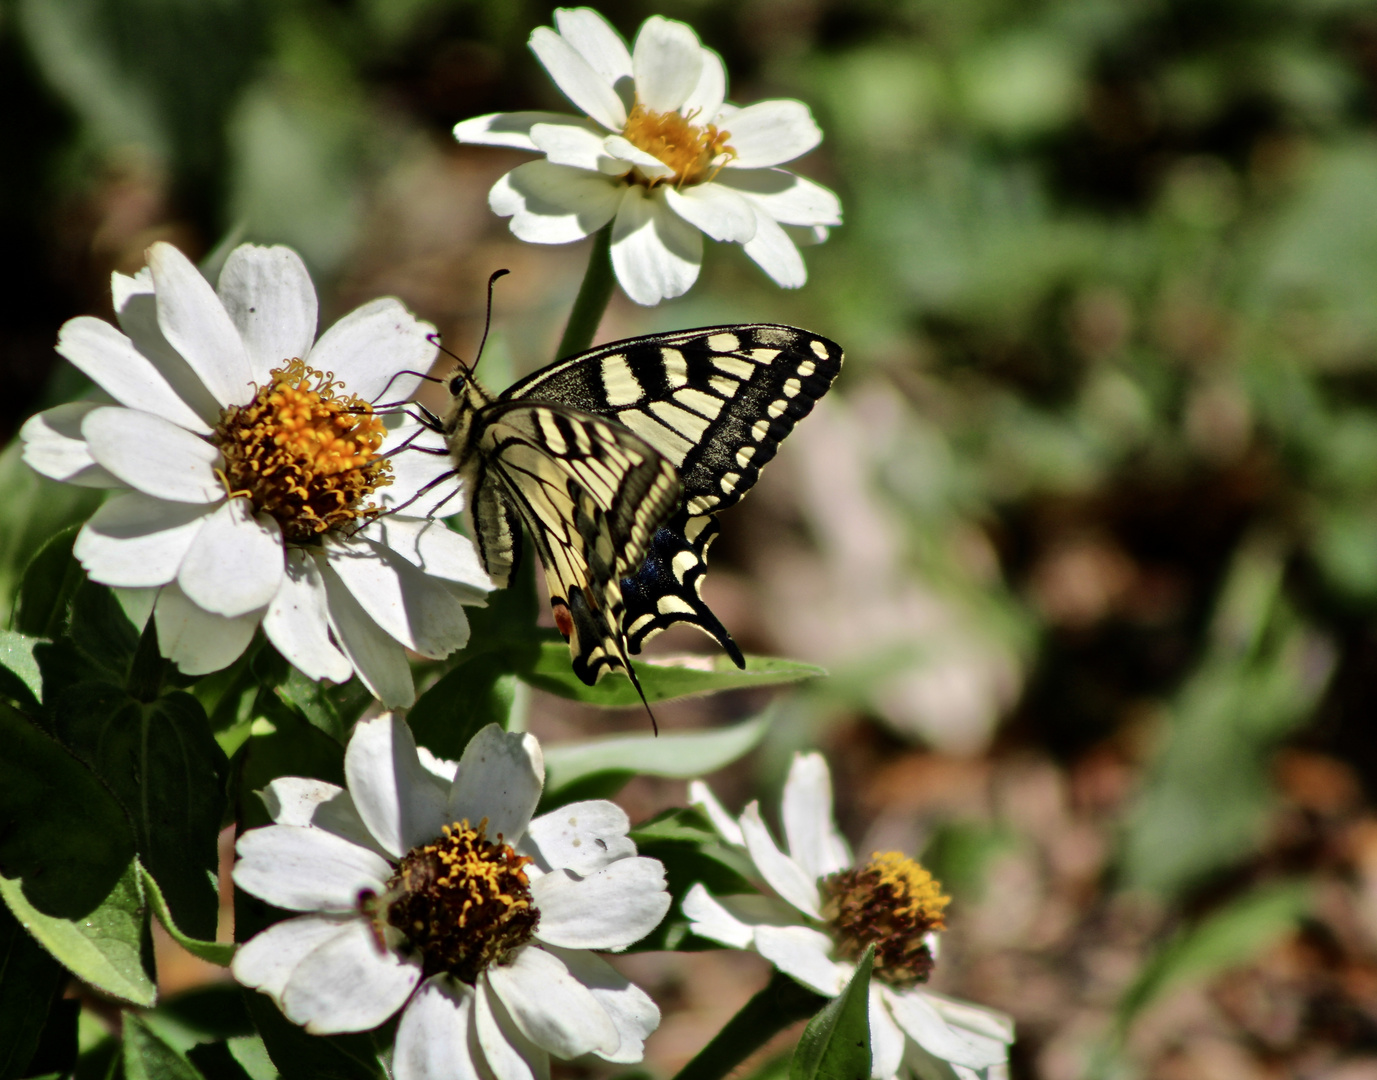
[[663, 678], [20, 678], [50, 579], [676, 755], [108, 948], [147, 1056], [836, 1043], [214, 952]]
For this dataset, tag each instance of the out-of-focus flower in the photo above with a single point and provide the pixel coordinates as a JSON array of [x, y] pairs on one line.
[[429, 889], [251, 472], [660, 155], [827, 911]]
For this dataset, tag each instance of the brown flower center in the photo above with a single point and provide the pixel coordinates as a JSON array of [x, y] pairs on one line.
[[694, 152], [892, 903], [462, 901], [304, 454]]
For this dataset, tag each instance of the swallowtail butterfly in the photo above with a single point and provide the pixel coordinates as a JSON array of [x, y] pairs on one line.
[[617, 461]]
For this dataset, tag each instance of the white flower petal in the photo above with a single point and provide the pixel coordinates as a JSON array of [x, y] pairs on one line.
[[886, 1037], [623, 150], [581, 836], [597, 42], [508, 1052], [300, 800], [378, 660], [576, 144], [551, 1007], [700, 795], [718, 211], [975, 1019], [705, 99], [500, 778], [631, 1009], [195, 323], [235, 563], [668, 60], [136, 308], [305, 869], [348, 984], [266, 961], [426, 482], [398, 596], [655, 252], [110, 360], [369, 346], [803, 954], [814, 842], [787, 198], [506, 129], [915, 1014], [711, 919], [401, 802], [435, 548], [577, 79], [434, 1034], [153, 455], [196, 640], [55, 447], [775, 253], [298, 622], [771, 133], [783, 874], [270, 299], [137, 541], [555, 204], [609, 909]]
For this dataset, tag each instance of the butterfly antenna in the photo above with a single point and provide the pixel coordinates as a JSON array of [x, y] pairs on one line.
[[631, 674], [487, 319], [434, 339]]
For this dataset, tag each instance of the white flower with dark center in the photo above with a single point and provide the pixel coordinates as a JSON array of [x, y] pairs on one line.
[[251, 472], [827, 911], [660, 154], [429, 889]]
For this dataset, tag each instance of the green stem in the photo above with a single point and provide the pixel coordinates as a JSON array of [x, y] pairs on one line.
[[781, 1003], [593, 296]]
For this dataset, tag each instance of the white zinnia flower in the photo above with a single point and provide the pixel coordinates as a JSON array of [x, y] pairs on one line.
[[828, 911], [660, 152], [249, 468], [417, 900]]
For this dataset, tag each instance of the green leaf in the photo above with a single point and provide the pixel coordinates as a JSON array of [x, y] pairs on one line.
[[50, 580], [291, 748], [1228, 938], [663, 678], [168, 772], [109, 947], [101, 630], [65, 836], [20, 678], [148, 1057], [29, 981], [836, 1043], [466, 699], [214, 952], [299, 1056], [677, 755]]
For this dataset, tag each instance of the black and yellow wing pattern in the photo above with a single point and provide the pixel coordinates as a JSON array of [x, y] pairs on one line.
[[617, 460]]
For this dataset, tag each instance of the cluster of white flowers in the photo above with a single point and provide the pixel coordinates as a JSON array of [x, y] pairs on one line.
[[659, 154]]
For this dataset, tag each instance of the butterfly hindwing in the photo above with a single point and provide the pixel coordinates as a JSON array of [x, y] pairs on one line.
[[592, 495]]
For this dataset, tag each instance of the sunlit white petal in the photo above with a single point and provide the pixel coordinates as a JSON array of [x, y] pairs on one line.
[[348, 984], [137, 541], [804, 954], [782, 873], [773, 251], [581, 836], [196, 640], [500, 777], [555, 204], [594, 39], [771, 133], [153, 455], [305, 869], [267, 961], [434, 1033], [667, 59], [611, 908], [629, 1007], [718, 211], [655, 252], [806, 810], [378, 660], [400, 801], [700, 795], [235, 562], [55, 447], [580, 82], [551, 1007], [271, 301], [298, 621]]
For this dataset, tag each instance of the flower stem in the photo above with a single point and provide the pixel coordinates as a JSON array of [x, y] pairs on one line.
[[593, 296], [781, 1003]]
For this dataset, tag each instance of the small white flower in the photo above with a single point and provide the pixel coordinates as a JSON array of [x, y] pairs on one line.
[[418, 900], [828, 911], [661, 153], [249, 469]]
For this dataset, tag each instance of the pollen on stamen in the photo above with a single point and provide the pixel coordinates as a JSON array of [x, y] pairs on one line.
[[694, 151], [893, 903], [304, 452]]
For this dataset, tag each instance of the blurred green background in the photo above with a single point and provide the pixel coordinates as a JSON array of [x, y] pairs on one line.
[[1088, 532]]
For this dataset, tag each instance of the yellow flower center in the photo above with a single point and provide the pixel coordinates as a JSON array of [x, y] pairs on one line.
[[892, 903], [304, 454], [694, 152], [462, 901]]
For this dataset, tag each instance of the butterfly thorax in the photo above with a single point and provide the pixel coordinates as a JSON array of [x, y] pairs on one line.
[[467, 400]]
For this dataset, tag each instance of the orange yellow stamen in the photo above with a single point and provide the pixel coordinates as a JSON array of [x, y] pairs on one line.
[[695, 152], [892, 903]]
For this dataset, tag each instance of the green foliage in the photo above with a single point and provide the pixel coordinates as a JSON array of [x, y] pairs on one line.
[[836, 1043]]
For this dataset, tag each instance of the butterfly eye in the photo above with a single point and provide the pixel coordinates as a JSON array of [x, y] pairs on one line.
[[457, 382]]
